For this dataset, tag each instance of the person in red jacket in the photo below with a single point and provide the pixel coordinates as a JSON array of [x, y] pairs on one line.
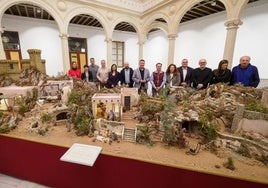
[[74, 71]]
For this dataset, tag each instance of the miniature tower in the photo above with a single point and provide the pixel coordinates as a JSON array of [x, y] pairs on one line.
[[36, 61]]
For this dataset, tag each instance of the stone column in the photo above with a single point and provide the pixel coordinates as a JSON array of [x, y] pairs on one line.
[[142, 39], [231, 26], [171, 48], [140, 50], [65, 52], [109, 51], [2, 51]]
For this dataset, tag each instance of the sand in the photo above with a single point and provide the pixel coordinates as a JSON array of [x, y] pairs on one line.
[[204, 161]]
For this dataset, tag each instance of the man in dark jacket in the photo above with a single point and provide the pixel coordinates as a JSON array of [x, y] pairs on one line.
[[185, 73], [202, 75], [245, 73], [126, 75]]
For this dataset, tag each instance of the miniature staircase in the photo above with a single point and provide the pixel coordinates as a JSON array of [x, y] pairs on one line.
[[158, 137], [128, 116], [130, 134]]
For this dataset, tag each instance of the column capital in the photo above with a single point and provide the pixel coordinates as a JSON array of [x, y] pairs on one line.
[[108, 40], [140, 42], [172, 36], [233, 24], [63, 35]]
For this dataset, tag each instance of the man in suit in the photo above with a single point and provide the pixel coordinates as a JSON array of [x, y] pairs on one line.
[[126, 75], [185, 73], [141, 77]]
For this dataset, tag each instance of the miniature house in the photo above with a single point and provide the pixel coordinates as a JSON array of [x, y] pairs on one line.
[[107, 104], [56, 89], [130, 97]]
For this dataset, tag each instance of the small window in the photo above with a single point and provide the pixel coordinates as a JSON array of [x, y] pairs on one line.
[[118, 53], [77, 44], [11, 40]]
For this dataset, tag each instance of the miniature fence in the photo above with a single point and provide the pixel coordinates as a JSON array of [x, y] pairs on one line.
[[117, 127]]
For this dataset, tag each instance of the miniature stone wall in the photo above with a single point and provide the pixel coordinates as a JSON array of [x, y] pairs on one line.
[[264, 98], [250, 121], [114, 126], [10, 68]]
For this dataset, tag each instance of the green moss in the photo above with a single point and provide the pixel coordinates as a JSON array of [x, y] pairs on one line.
[[143, 135], [75, 97], [167, 120], [229, 164], [23, 109], [256, 106], [82, 128], [4, 128], [46, 117]]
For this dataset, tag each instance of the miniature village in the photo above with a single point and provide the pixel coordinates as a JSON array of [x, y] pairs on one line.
[[225, 121]]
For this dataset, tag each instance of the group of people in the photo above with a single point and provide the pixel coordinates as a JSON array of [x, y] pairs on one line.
[[185, 76]]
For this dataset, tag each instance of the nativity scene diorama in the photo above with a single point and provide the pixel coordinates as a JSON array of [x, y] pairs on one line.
[[228, 121]]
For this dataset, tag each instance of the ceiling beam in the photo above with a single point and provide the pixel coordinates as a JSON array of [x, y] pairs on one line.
[[26, 10], [18, 9], [80, 19]]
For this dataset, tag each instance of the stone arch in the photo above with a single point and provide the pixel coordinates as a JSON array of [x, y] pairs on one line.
[[40, 3], [151, 21], [60, 115], [186, 7], [127, 19], [158, 25], [234, 8], [82, 10]]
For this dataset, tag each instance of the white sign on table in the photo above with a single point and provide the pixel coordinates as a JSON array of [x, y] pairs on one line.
[[82, 154]]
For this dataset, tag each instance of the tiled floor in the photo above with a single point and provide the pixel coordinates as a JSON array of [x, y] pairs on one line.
[[11, 182]]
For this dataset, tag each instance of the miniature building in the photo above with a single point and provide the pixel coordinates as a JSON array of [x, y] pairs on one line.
[[130, 97], [56, 89], [12, 68], [106, 104]]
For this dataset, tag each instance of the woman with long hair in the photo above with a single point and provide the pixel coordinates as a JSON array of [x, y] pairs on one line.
[[113, 77], [222, 74], [173, 76]]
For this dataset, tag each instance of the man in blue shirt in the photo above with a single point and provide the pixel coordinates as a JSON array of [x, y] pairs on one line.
[[245, 73]]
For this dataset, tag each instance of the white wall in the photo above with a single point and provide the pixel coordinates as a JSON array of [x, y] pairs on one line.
[[201, 38], [252, 37], [155, 50], [205, 38], [38, 34]]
